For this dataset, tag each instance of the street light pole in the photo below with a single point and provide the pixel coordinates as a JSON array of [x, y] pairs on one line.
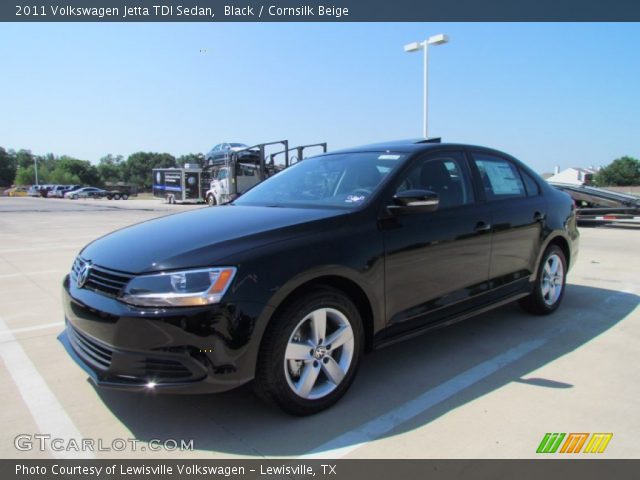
[[439, 39], [425, 103], [35, 162]]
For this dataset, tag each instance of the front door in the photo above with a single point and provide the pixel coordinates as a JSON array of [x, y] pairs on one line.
[[436, 262]]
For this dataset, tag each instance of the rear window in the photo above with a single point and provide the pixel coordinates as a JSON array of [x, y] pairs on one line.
[[530, 184], [501, 179]]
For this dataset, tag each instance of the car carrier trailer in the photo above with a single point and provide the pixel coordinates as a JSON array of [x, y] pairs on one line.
[[601, 206], [238, 172], [220, 180]]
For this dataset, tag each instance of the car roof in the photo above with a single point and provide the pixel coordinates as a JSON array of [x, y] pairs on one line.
[[412, 145]]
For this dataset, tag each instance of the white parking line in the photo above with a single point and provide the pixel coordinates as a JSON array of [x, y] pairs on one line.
[[46, 410], [7, 335], [354, 439], [20, 274], [42, 248]]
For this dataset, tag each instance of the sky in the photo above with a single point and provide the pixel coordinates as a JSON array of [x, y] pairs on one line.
[[549, 94]]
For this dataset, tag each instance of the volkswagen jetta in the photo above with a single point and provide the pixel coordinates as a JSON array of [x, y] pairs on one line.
[[291, 283]]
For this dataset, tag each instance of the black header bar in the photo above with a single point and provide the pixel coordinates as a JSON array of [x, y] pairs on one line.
[[319, 11]]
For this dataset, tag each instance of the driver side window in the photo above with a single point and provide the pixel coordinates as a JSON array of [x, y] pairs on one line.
[[444, 174]]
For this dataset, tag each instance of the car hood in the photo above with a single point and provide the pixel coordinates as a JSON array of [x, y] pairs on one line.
[[203, 237]]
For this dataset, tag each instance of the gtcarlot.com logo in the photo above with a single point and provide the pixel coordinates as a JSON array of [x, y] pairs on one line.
[[573, 443], [44, 442]]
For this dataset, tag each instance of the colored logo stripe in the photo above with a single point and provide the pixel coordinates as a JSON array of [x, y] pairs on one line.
[[550, 443], [574, 442], [598, 442]]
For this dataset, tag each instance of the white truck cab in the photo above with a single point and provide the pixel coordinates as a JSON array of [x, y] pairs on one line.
[[247, 175]]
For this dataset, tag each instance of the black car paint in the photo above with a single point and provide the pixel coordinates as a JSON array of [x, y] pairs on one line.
[[372, 254]]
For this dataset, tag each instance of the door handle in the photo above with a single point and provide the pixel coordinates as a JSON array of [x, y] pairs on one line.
[[538, 216], [482, 227]]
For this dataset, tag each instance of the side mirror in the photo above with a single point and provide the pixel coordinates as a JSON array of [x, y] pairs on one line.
[[414, 201]]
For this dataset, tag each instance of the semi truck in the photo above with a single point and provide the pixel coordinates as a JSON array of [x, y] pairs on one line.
[[221, 179], [244, 168]]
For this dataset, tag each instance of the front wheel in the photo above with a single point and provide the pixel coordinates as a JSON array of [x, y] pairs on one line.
[[211, 200], [548, 291], [310, 353]]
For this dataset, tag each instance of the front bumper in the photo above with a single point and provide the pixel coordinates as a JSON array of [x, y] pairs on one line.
[[174, 350]]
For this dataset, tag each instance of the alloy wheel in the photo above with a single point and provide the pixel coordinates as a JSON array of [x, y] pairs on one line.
[[319, 353], [552, 279]]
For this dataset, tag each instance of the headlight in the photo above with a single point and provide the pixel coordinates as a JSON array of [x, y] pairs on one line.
[[185, 288]]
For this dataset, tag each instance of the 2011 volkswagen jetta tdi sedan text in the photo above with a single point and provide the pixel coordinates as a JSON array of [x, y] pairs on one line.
[[291, 283]]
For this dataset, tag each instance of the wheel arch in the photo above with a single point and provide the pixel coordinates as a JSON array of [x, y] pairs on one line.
[[355, 292], [556, 239]]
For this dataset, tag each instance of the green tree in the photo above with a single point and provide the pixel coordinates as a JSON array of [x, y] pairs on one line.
[[24, 158], [25, 163], [60, 176], [111, 168], [80, 171], [8, 167], [623, 171], [27, 176], [138, 167]]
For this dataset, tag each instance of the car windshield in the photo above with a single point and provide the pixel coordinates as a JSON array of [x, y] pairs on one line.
[[237, 145], [338, 180]]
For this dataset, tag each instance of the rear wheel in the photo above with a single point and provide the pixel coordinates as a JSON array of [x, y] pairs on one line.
[[550, 282], [310, 353], [116, 196], [125, 196]]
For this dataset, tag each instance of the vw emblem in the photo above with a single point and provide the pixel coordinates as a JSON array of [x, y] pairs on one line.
[[83, 274]]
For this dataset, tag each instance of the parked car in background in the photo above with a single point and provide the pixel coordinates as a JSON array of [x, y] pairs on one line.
[[86, 192], [17, 192], [34, 190], [59, 190], [288, 285], [223, 151]]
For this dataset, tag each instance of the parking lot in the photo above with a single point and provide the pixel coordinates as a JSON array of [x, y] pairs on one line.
[[490, 387]]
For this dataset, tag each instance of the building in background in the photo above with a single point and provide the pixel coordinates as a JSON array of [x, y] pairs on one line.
[[572, 175]]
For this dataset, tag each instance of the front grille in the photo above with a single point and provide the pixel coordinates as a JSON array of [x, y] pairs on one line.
[[96, 354], [100, 279], [165, 369], [133, 367]]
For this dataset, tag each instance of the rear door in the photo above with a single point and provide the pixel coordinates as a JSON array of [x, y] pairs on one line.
[[518, 210], [436, 262]]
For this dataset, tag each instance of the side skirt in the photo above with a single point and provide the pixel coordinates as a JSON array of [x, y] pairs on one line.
[[390, 340]]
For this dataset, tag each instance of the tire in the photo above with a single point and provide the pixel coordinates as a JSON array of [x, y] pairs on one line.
[[550, 283], [75, 197], [116, 196], [280, 374], [125, 196], [211, 200]]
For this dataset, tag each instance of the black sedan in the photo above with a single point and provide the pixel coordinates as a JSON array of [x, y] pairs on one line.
[[337, 255]]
